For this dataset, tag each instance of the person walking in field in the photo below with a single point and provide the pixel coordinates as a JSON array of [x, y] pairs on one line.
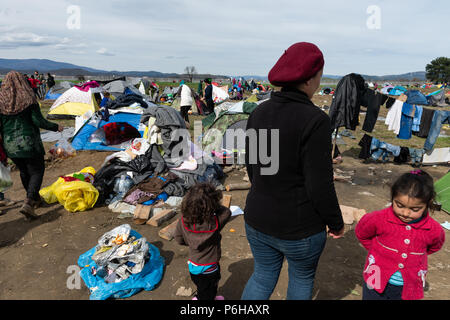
[[20, 121]]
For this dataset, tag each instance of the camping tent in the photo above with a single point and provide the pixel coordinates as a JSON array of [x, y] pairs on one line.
[[74, 102], [58, 89], [119, 87], [442, 188], [386, 89], [82, 139], [215, 127], [397, 91]]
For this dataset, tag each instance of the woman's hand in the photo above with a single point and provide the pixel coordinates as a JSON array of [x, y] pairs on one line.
[[336, 234], [60, 128]]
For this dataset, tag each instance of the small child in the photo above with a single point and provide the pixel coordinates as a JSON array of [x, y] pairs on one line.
[[399, 239], [203, 217]]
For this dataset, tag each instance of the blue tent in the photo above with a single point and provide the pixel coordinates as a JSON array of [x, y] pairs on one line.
[[57, 90], [52, 96], [397, 91], [80, 141]]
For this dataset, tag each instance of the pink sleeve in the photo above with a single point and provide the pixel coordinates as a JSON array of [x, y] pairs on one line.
[[366, 229], [438, 241]]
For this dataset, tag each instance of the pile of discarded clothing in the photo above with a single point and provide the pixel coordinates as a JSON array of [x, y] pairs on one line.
[[374, 149], [127, 100], [162, 164]]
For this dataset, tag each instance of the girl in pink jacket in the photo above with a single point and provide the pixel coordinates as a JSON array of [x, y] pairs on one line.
[[399, 240]]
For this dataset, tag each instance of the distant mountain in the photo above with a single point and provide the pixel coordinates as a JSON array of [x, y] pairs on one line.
[[412, 76], [67, 69], [28, 66], [42, 65]]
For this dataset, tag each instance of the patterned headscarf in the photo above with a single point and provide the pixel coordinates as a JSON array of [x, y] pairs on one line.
[[15, 94]]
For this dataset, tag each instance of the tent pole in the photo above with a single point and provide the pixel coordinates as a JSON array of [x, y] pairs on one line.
[[335, 142]]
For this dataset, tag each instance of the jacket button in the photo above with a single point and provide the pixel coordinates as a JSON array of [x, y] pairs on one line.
[[401, 266], [407, 241], [408, 227], [404, 255]]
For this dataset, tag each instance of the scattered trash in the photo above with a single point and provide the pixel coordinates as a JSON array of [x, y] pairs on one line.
[[45, 245], [235, 211], [446, 225], [232, 230], [120, 265], [182, 291], [350, 214]]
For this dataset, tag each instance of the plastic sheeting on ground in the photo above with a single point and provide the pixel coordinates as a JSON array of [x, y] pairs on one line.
[[147, 279]]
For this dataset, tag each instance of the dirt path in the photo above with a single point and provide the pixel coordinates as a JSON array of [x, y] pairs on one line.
[[35, 257]]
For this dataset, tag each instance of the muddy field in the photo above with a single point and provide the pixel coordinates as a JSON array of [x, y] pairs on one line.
[[35, 256]]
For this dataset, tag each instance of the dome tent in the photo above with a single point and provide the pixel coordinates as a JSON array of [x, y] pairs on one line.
[[75, 102]]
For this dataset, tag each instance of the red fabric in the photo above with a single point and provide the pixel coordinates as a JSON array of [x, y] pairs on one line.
[[88, 85], [392, 243], [300, 62], [118, 132], [34, 82], [200, 105], [69, 178]]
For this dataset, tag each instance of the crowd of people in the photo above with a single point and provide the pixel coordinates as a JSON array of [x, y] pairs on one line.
[[38, 83], [289, 214]]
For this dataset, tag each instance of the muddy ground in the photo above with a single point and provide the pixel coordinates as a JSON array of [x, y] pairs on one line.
[[35, 256]]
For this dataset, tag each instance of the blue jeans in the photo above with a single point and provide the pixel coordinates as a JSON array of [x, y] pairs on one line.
[[439, 118], [382, 149], [269, 252]]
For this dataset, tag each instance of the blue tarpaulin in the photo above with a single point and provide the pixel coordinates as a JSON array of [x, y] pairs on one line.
[[81, 139], [147, 279]]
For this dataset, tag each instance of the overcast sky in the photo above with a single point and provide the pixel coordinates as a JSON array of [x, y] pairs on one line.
[[226, 37]]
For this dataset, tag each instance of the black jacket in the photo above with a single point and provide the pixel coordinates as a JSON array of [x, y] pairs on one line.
[[347, 100], [300, 199]]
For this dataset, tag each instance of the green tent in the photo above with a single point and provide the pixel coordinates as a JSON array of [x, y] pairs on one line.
[[215, 128], [442, 188]]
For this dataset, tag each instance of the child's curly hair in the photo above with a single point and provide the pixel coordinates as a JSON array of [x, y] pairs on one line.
[[200, 203]]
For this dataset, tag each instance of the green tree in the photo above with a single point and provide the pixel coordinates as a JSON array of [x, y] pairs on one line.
[[438, 70]]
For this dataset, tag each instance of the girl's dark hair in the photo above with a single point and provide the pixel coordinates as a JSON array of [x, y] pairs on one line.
[[200, 203], [415, 184]]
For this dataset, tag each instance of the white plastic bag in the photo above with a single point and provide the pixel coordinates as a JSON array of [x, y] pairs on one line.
[[62, 149], [5, 178]]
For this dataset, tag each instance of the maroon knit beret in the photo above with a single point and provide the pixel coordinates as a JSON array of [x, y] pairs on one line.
[[299, 63]]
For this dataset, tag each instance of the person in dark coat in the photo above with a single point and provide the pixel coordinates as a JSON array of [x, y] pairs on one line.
[[20, 121], [292, 199], [50, 81], [207, 97]]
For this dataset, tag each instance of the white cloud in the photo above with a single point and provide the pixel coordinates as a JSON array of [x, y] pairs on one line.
[[225, 38], [104, 52], [25, 39]]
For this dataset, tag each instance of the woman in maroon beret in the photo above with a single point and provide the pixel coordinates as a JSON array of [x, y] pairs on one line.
[[288, 210]]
